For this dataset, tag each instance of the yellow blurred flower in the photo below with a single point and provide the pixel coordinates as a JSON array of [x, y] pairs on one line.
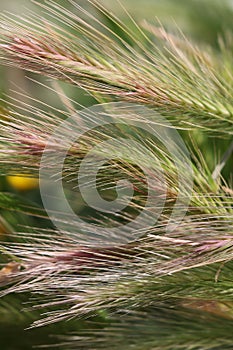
[[22, 183]]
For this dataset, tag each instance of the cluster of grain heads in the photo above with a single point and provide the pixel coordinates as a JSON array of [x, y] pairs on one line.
[[172, 279]]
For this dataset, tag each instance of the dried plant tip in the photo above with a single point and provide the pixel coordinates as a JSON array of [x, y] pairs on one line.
[[8, 272]]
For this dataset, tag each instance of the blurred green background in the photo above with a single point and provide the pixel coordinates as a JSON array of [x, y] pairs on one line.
[[202, 20]]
